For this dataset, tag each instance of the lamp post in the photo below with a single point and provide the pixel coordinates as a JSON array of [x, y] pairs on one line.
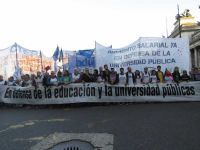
[[178, 17]]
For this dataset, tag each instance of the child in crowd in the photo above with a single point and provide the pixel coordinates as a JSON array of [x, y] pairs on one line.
[[176, 75], [138, 78], [153, 77], [122, 77], [185, 76], [168, 76], [145, 76], [159, 74]]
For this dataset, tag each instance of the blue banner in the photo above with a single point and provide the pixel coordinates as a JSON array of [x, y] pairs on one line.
[[85, 58]]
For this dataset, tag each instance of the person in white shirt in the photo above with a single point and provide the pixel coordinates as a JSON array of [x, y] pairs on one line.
[[145, 76], [130, 77], [138, 77], [122, 77], [153, 77], [2, 81], [53, 79], [39, 78], [26, 82]]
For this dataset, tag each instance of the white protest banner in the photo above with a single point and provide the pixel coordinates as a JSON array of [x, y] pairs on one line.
[[147, 52], [95, 92]]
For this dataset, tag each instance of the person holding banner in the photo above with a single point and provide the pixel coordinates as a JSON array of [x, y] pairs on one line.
[[53, 79], [39, 78], [138, 78], [145, 76], [185, 76], [122, 77], [168, 76], [86, 76], [176, 75], [153, 77], [159, 74], [76, 76], [26, 81], [2, 81], [130, 77], [113, 77], [66, 77], [100, 75], [106, 74]]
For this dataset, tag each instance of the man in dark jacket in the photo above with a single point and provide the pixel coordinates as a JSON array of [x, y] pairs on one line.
[[106, 74]]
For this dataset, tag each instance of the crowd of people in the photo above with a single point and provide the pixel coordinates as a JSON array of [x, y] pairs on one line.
[[101, 75]]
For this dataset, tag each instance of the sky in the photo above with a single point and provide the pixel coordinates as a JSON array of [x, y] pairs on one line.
[[77, 24]]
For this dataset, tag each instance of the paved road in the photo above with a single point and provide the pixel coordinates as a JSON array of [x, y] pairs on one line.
[[158, 126]]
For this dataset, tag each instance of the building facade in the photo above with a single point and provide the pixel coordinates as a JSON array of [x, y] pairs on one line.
[[186, 26]]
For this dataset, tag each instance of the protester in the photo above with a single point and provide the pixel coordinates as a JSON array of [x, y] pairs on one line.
[[106, 74], [86, 76], [95, 75], [138, 77], [26, 81], [153, 77], [159, 74], [11, 81], [46, 79], [60, 78], [39, 78], [66, 77], [53, 79], [113, 78], [145, 76], [168, 76], [76, 76], [130, 77], [2, 81], [122, 77], [100, 75], [33, 81], [176, 75], [185, 76]]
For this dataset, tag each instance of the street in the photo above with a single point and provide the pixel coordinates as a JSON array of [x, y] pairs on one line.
[[146, 126]]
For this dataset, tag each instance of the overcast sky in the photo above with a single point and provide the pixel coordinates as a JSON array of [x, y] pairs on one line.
[[76, 24]]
